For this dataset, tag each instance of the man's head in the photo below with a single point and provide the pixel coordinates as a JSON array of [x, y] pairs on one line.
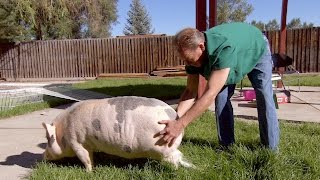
[[190, 44]]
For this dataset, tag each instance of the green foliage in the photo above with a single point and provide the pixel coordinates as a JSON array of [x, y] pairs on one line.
[[139, 20], [272, 25], [23, 20], [233, 10], [259, 25], [295, 23], [16, 20]]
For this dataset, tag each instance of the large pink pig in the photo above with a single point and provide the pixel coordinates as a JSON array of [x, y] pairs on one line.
[[123, 126]]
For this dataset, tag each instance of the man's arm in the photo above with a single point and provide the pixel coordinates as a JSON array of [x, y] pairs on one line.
[[174, 128], [217, 80], [188, 96]]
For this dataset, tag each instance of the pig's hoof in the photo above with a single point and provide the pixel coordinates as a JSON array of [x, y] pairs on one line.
[[89, 168], [187, 165]]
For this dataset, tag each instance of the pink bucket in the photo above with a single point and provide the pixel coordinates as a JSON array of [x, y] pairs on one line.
[[249, 95]]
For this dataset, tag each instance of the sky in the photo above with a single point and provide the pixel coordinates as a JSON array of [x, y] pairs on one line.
[[169, 16]]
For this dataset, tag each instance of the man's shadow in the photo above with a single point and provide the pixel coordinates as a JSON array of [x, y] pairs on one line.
[[25, 159]]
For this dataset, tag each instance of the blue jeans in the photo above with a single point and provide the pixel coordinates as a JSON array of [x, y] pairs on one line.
[[260, 78]]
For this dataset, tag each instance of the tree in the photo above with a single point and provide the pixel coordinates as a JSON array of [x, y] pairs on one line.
[[259, 25], [15, 20], [307, 25], [295, 23], [272, 25], [22, 20], [233, 10], [94, 17], [138, 21]]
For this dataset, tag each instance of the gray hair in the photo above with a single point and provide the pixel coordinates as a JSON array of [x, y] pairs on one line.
[[188, 38]]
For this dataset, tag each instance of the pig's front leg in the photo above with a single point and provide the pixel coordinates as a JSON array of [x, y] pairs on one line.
[[84, 155]]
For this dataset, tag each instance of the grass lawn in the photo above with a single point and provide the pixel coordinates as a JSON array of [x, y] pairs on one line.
[[292, 80], [160, 88], [23, 109], [298, 157]]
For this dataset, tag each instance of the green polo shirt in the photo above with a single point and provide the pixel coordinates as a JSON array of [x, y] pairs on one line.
[[238, 46]]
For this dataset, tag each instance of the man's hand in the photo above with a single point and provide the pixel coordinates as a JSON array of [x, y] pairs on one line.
[[172, 130]]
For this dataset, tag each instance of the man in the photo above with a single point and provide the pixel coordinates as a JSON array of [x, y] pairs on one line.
[[224, 55]]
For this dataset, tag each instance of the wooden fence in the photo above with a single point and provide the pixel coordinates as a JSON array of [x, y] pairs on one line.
[[303, 45], [90, 57]]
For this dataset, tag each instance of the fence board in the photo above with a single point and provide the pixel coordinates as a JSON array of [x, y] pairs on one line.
[[312, 50], [289, 42], [111, 61], [308, 42], [298, 56], [303, 51]]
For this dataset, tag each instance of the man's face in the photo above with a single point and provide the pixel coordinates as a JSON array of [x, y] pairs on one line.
[[193, 57]]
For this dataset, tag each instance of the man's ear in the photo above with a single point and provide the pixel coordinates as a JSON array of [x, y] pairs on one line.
[[202, 46]]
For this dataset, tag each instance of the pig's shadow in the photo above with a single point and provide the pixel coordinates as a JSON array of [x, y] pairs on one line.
[[25, 159], [103, 159]]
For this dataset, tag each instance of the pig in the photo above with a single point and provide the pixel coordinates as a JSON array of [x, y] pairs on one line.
[[123, 126]]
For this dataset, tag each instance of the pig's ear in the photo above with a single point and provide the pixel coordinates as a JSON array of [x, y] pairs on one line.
[[50, 128], [44, 125]]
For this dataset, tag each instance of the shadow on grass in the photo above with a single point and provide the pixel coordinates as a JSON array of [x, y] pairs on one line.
[[247, 117], [162, 92], [105, 160], [25, 159], [57, 103], [29, 160]]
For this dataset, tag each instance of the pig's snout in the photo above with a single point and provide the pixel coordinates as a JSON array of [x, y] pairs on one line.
[[47, 156]]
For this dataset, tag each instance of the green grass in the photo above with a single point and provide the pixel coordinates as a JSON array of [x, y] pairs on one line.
[[27, 108], [161, 88], [298, 157], [292, 80]]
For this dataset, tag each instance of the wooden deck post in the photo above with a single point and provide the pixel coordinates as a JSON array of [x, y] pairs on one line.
[[283, 35], [201, 25]]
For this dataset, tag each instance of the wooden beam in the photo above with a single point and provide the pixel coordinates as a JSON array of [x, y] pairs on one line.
[[283, 35], [201, 15], [201, 25], [213, 19], [283, 30]]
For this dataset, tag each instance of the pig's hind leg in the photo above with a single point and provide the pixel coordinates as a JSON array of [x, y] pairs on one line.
[[176, 158], [85, 156]]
